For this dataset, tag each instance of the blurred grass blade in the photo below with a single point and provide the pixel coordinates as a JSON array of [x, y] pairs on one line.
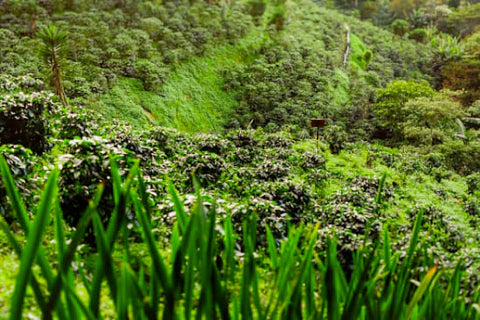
[[420, 291], [29, 254], [105, 254], [159, 266], [69, 255], [13, 195], [86, 312], [381, 185], [272, 249], [178, 207], [22, 216], [18, 250]]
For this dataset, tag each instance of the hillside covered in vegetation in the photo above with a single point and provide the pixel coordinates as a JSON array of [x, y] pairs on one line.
[[157, 159]]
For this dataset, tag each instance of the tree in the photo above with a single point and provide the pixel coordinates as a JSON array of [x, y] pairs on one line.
[[454, 3], [419, 35], [429, 120], [464, 21], [472, 45], [402, 8], [400, 27], [463, 75], [418, 19], [368, 9], [390, 109], [53, 51]]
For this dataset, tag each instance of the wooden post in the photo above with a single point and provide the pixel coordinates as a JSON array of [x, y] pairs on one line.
[[318, 123], [347, 47]]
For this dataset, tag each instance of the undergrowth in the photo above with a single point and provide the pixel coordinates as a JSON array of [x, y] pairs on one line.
[[213, 272]]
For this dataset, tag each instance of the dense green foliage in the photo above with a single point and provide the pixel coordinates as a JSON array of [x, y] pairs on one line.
[[123, 180], [204, 269]]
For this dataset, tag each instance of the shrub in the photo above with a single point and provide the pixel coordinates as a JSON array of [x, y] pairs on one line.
[[211, 143], [152, 74], [464, 158], [23, 83], [23, 120], [21, 162], [430, 120], [368, 9], [312, 160], [400, 27], [336, 137], [256, 8], [72, 122], [206, 166], [463, 75], [85, 165], [390, 108], [272, 170], [419, 35], [473, 183]]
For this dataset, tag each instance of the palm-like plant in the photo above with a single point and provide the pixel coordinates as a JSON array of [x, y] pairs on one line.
[[53, 51], [447, 47]]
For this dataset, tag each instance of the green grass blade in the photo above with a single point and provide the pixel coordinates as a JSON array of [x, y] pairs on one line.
[[12, 192], [334, 290], [272, 249], [60, 239], [73, 295], [159, 266], [105, 254], [22, 217], [67, 259], [122, 300], [419, 292], [29, 254], [178, 207], [39, 297], [115, 224]]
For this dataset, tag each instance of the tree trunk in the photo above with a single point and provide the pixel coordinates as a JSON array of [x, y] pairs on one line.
[[33, 25], [57, 82]]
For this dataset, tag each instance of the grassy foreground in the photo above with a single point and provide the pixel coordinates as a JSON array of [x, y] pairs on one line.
[[204, 275]]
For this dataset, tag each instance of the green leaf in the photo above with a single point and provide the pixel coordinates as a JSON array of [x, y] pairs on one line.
[[34, 239]]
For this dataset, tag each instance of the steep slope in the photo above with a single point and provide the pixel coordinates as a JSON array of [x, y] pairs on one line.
[[192, 99], [199, 67]]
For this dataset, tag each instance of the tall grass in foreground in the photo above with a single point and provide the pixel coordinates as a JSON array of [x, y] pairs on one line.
[[204, 278]]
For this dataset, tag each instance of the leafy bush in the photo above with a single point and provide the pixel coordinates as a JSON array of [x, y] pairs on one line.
[[21, 83], [272, 170], [419, 35], [464, 158], [21, 162], [400, 27], [312, 160], [256, 8], [207, 255], [336, 137], [85, 165], [23, 119], [74, 122], [430, 120], [390, 108], [152, 74], [368, 9], [473, 183], [462, 75]]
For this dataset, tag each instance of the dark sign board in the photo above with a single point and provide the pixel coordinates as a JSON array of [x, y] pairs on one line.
[[318, 123]]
